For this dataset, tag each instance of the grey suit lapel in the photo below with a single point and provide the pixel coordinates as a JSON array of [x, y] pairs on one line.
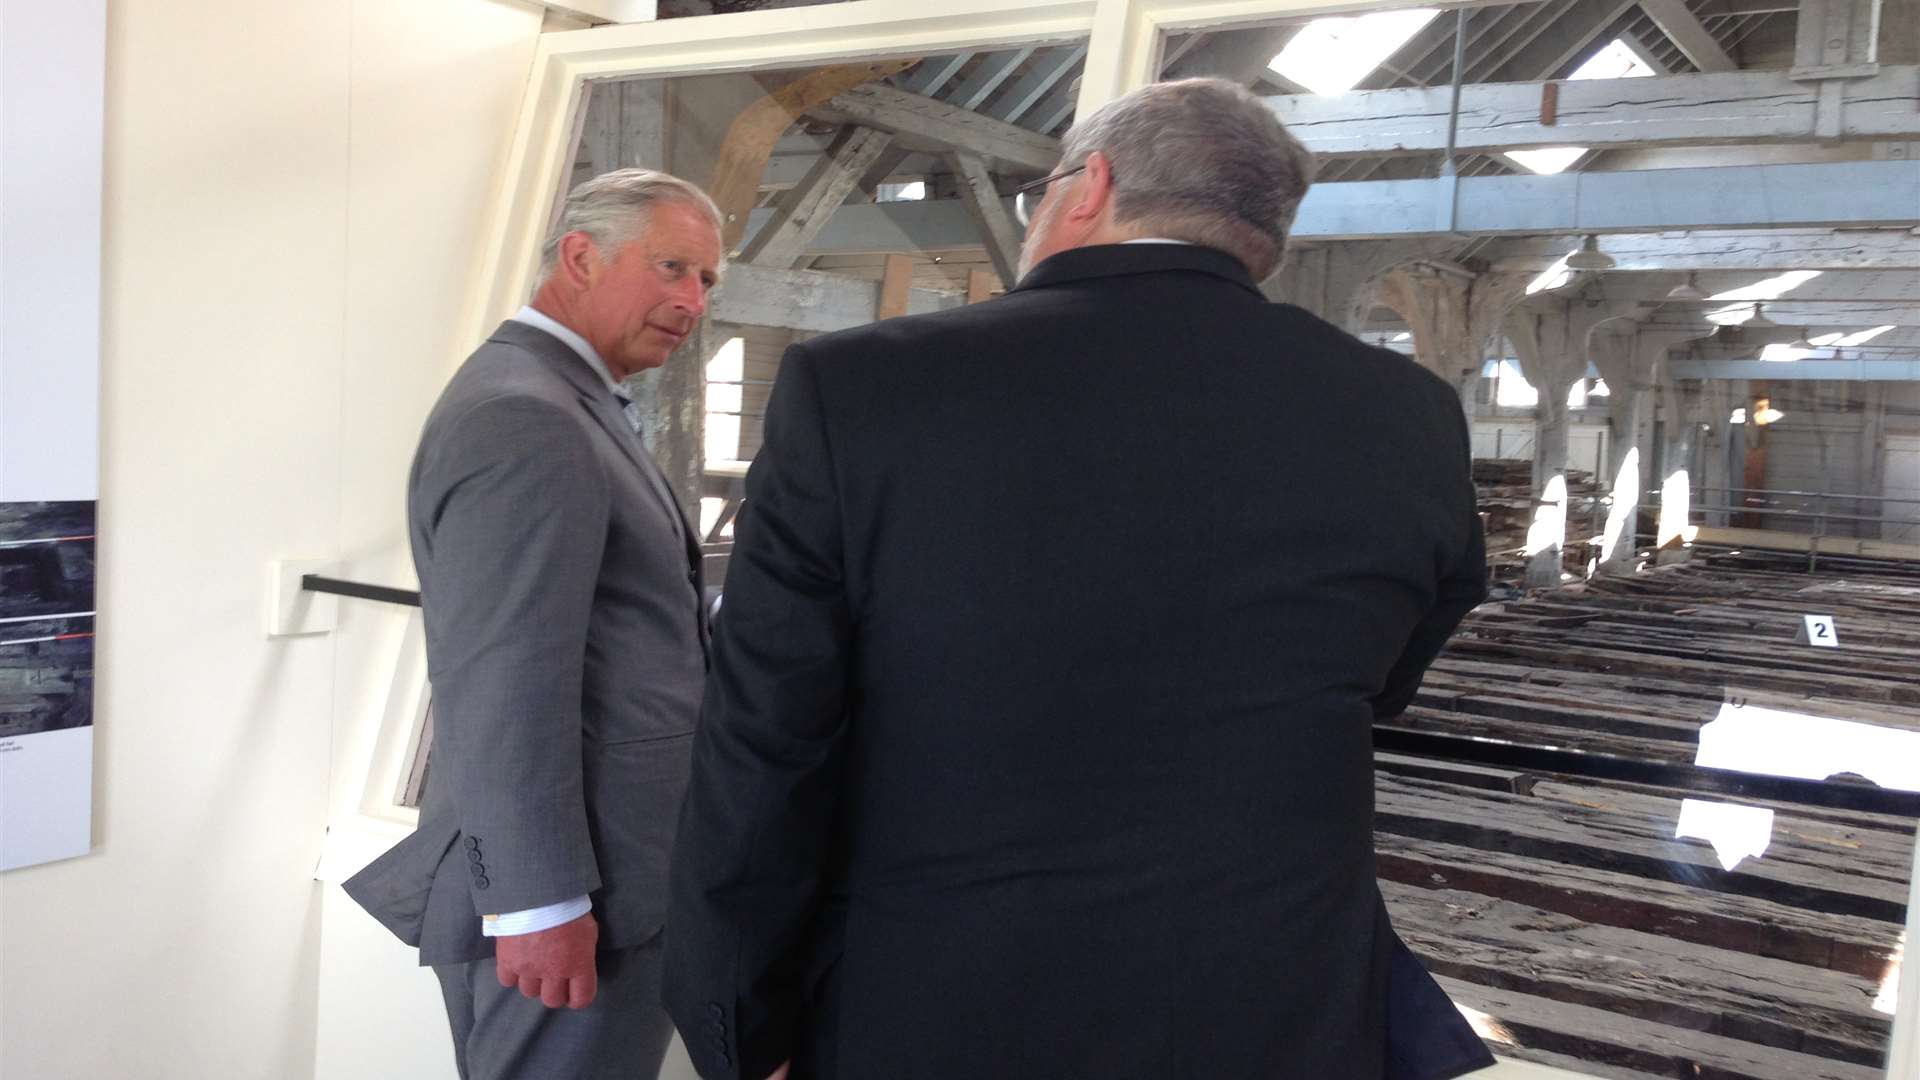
[[600, 404], [607, 411]]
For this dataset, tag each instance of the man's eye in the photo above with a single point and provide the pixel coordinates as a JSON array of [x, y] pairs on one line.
[[673, 267]]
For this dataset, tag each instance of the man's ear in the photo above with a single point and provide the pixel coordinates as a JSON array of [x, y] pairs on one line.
[[579, 263], [1094, 193]]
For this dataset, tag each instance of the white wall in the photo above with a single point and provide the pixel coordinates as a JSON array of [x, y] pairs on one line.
[[292, 192]]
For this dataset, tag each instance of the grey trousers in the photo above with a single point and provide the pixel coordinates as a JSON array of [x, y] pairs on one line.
[[499, 1035]]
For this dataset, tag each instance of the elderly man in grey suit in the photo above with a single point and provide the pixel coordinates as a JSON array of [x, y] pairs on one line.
[[561, 588]]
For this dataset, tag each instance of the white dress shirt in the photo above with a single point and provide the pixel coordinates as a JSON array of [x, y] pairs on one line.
[[540, 320]]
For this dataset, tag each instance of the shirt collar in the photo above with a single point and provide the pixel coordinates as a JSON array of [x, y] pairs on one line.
[[540, 320]]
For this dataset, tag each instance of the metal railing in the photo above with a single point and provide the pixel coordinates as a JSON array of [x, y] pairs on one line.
[[1817, 514]]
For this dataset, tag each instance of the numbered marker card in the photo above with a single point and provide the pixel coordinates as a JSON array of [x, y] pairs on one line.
[[1818, 630]]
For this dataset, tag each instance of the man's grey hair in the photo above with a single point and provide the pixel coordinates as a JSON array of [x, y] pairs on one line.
[[615, 208], [1200, 160]]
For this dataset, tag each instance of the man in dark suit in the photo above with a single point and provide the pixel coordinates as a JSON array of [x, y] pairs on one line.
[[565, 644], [1037, 743]]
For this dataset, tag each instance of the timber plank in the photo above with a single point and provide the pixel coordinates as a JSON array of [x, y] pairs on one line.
[[1777, 1003], [1793, 872], [1676, 910], [1589, 1034]]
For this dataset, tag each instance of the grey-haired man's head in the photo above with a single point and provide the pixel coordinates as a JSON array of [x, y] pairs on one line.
[[629, 265], [1199, 160]]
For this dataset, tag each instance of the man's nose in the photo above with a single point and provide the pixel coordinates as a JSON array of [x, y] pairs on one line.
[[691, 298]]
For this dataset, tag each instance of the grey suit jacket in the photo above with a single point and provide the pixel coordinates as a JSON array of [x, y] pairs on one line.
[[565, 644]]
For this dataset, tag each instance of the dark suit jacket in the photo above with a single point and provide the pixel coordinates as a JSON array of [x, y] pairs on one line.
[[561, 591], [1037, 742]]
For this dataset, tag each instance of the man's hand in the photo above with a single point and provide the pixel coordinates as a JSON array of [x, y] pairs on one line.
[[554, 965]]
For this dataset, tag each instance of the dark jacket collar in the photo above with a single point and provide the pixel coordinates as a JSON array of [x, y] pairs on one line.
[[1119, 260]]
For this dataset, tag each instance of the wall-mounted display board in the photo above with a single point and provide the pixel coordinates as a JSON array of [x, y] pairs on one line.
[[52, 83]]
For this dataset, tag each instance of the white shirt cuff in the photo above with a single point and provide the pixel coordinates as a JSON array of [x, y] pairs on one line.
[[533, 920]]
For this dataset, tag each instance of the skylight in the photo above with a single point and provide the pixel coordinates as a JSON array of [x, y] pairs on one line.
[[1616, 61], [1740, 301], [1821, 342], [1551, 278], [1848, 341], [1513, 389], [1331, 56]]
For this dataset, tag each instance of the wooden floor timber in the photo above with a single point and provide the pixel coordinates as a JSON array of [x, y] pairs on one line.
[[1566, 910]]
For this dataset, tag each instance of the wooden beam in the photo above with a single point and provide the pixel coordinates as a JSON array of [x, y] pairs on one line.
[[809, 300], [1644, 976], [808, 207], [786, 171], [1742, 107], [626, 126], [735, 185], [1873, 194], [893, 163], [979, 286], [1794, 249], [1055, 108], [1773, 540], [1582, 1035], [1866, 195], [924, 120], [934, 72], [995, 69], [895, 283], [1688, 34], [1034, 85], [998, 230], [1836, 37]]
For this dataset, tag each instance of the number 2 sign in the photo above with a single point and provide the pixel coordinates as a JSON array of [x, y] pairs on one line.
[[1818, 631]]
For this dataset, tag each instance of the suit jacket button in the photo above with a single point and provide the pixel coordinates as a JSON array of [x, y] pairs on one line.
[[473, 855], [476, 869], [714, 1009], [481, 882], [473, 843]]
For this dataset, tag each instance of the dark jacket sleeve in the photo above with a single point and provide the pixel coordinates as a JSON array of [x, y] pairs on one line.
[[1462, 582], [514, 508], [749, 860]]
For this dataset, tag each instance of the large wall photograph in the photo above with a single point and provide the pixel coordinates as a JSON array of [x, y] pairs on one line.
[[53, 69]]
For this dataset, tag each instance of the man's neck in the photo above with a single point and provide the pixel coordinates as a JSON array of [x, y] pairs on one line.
[[574, 340]]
